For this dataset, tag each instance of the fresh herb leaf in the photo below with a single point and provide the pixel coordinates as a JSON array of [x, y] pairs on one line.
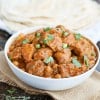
[[47, 29], [38, 46], [93, 54], [64, 45], [86, 60], [64, 33], [48, 60], [38, 35], [50, 37], [76, 62], [25, 41], [11, 91], [8, 97], [78, 36], [45, 41]]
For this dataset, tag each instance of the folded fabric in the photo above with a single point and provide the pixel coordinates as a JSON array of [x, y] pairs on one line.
[[89, 90]]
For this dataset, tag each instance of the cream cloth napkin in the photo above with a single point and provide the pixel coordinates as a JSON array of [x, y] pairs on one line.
[[89, 90]]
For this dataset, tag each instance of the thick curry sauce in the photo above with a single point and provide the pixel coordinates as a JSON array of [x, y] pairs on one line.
[[53, 52]]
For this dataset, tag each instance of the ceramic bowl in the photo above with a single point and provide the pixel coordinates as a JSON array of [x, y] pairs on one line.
[[47, 83]]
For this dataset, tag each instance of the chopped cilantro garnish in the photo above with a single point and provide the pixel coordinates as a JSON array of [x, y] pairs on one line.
[[64, 45], [38, 35], [78, 36], [50, 37], [48, 60], [86, 60], [11, 91], [64, 33], [47, 29], [45, 41], [93, 54], [25, 41], [38, 46], [76, 62]]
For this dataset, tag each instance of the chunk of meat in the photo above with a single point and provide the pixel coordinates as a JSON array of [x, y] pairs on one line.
[[61, 27], [40, 31], [84, 68], [52, 40], [30, 37], [48, 72], [55, 69], [15, 62], [63, 70], [19, 63], [55, 44], [42, 53], [70, 39], [82, 47], [35, 41], [15, 54], [36, 68], [56, 31], [17, 42], [22, 63], [57, 76], [27, 52], [38, 36], [71, 69], [63, 57], [44, 36]]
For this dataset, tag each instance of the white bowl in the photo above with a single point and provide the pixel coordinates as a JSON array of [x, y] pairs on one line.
[[46, 83]]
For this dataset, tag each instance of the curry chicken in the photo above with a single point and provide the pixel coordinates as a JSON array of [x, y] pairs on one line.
[[53, 53]]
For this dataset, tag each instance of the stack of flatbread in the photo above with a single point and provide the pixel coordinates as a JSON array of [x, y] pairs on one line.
[[75, 14]]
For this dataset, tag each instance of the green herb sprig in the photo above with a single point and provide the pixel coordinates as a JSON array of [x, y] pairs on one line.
[[49, 38], [48, 60], [47, 29], [76, 62], [64, 45], [78, 36], [25, 41], [38, 35], [38, 46], [86, 60], [65, 33]]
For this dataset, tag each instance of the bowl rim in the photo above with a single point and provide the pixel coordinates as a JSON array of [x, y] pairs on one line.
[[38, 77]]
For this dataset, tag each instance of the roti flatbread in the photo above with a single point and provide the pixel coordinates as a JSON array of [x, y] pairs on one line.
[[75, 14]]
